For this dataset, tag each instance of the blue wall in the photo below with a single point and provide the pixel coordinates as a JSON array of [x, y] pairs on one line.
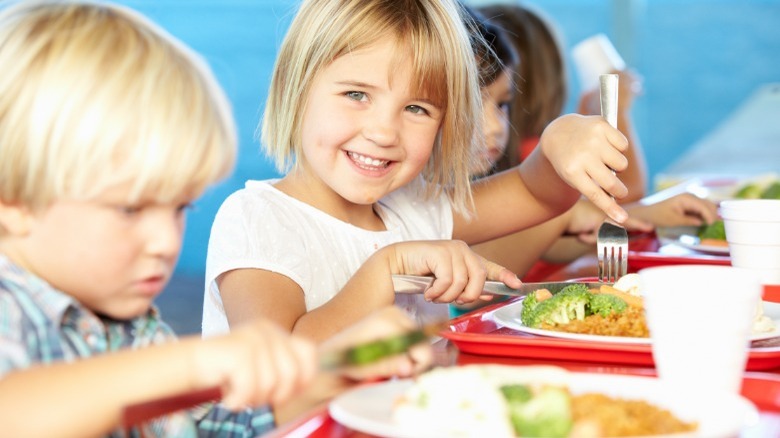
[[699, 59]]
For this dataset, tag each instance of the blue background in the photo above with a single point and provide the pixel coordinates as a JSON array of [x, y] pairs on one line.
[[699, 58]]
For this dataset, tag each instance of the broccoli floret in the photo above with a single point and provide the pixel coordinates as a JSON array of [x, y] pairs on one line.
[[772, 192], [528, 310], [546, 414], [516, 393], [605, 304], [749, 191], [564, 306], [715, 230]]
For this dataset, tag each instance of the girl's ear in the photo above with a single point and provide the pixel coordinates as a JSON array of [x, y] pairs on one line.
[[15, 220]]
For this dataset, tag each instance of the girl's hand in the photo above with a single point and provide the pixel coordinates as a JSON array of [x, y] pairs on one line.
[[257, 363], [459, 272], [584, 150], [680, 210], [383, 323]]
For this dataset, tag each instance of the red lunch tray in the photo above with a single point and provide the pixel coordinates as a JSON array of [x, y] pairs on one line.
[[477, 333]]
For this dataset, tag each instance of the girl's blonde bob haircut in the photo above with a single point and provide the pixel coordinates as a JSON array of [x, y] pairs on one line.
[[431, 33], [94, 95]]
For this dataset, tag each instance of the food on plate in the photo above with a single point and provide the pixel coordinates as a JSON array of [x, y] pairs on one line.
[[506, 401], [606, 311], [765, 188], [713, 234], [628, 283], [616, 310]]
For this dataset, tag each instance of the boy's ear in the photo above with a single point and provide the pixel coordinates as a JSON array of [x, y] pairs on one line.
[[15, 219]]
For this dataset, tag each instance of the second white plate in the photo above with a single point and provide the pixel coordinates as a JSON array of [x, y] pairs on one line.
[[509, 316]]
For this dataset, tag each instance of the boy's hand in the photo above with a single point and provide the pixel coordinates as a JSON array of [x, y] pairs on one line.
[[584, 150], [381, 324], [459, 272], [257, 363]]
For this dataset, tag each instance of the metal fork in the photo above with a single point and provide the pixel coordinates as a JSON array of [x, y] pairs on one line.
[[612, 239]]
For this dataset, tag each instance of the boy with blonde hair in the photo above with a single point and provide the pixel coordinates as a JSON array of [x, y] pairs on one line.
[[109, 130]]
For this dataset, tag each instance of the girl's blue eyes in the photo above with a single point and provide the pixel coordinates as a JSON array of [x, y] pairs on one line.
[[356, 95], [417, 109], [360, 96]]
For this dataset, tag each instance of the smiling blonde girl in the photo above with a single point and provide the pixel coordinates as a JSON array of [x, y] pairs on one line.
[[374, 110]]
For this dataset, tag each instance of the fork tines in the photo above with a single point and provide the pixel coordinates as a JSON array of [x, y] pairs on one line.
[[612, 246]]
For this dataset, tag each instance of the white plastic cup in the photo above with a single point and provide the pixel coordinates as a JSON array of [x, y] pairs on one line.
[[700, 319], [595, 56], [753, 234]]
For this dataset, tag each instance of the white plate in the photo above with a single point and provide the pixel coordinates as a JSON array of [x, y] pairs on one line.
[[687, 238], [368, 409], [509, 316]]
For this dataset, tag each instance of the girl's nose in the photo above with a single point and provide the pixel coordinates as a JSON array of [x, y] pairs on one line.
[[381, 129]]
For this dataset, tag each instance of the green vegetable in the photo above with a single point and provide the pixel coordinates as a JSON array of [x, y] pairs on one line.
[[715, 230], [546, 414], [749, 191], [382, 348], [564, 306], [772, 192], [528, 310], [516, 393], [606, 304]]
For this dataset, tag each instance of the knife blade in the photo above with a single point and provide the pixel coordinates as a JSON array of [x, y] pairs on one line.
[[418, 284]]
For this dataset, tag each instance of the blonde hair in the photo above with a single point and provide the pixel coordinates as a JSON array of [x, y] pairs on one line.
[[432, 31], [94, 95]]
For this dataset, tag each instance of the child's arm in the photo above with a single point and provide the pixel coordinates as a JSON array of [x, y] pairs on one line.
[[460, 274], [575, 153], [679, 210], [635, 174], [254, 365]]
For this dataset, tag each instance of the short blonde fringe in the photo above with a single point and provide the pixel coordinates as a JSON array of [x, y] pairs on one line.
[[431, 31], [93, 95]]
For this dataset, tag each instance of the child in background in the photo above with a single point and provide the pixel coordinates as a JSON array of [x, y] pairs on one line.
[[542, 90], [109, 130], [572, 234], [374, 111]]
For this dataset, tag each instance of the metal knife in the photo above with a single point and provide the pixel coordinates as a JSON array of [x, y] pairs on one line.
[[417, 284]]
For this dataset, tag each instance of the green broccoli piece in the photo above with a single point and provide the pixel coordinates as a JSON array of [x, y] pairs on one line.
[[528, 310], [516, 393], [772, 192], [715, 230], [564, 306], [749, 191], [546, 414], [605, 304]]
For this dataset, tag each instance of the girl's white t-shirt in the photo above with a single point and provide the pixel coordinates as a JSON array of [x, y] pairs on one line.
[[262, 228]]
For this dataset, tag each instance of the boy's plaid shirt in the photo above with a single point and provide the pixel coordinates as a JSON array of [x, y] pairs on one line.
[[39, 325]]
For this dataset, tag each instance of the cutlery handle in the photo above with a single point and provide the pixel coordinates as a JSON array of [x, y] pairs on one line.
[[609, 98]]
